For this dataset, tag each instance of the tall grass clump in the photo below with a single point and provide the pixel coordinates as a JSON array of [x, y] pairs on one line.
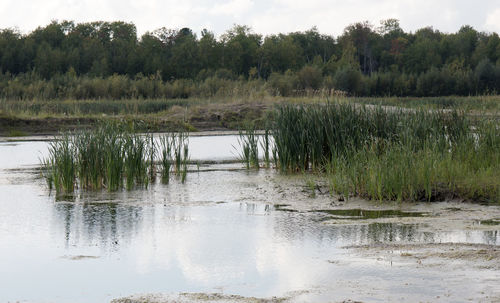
[[60, 167], [180, 148], [136, 160], [391, 154], [266, 147], [249, 143], [166, 149], [112, 156]]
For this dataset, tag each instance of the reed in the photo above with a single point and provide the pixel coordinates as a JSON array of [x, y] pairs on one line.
[[166, 148], [390, 154], [136, 160], [249, 143], [185, 159], [112, 156], [180, 151], [266, 145], [60, 166]]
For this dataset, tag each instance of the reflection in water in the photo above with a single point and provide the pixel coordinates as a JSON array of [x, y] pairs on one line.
[[110, 225], [491, 237], [97, 224], [342, 235]]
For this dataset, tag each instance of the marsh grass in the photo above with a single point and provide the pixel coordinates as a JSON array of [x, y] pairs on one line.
[[266, 146], [137, 160], [390, 154], [249, 142], [110, 106], [60, 167], [166, 146], [185, 159], [488, 103], [174, 153], [112, 156], [180, 150]]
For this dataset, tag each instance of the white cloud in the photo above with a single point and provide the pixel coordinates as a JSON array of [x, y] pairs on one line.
[[493, 21], [232, 8]]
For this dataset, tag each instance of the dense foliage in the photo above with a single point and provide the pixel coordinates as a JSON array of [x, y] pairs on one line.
[[108, 60]]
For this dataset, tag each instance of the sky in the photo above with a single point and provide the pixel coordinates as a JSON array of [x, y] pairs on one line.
[[263, 16]]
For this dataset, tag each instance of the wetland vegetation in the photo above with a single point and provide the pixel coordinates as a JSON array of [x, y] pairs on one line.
[[391, 154], [372, 152], [113, 156]]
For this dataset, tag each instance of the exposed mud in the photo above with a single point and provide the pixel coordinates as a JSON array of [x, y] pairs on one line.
[[215, 298], [197, 297], [479, 256], [293, 196]]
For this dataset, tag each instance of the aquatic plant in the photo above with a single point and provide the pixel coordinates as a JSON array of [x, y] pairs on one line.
[[166, 146], [249, 143], [265, 144], [390, 154], [180, 150], [60, 166], [111, 156], [185, 159], [136, 160]]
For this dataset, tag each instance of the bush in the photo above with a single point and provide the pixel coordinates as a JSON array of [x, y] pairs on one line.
[[309, 77], [283, 84], [348, 79]]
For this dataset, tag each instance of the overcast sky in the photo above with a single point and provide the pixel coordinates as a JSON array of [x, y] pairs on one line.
[[264, 16]]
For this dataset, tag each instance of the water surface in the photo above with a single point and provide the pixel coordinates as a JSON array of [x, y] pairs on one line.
[[224, 230]]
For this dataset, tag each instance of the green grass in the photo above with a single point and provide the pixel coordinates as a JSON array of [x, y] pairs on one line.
[[82, 108], [249, 143], [391, 154], [113, 107], [112, 156], [266, 147], [180, 149], [471, 103], [16, 133], [166, 149], [60, 166]]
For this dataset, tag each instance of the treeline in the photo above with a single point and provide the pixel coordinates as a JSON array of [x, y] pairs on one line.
[[109, 60]]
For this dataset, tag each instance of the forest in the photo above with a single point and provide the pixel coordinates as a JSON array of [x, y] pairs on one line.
[[68, 60]]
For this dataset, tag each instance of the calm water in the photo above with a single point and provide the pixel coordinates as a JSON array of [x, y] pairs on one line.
[[218, 232]]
